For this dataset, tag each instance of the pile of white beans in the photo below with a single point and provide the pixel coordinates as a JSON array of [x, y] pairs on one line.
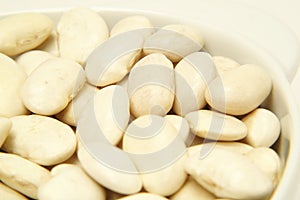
[[214, 141]]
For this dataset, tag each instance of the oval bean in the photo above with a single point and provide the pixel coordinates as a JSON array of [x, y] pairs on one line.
[[41, 139], [50, 87], [23, 32]]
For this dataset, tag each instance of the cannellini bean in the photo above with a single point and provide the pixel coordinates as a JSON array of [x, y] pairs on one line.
[[192, 190], [143, 196], [224, 64], [165, 181], [12, 78], [21, 174], [192, 75], [268, 161], [80, 31], [188, 40], [131, 23], [113, 64], [117, 181], [124, 82], [9, 194], [69, 181], [41, 139], [5, 126], [216, 126], [151, 86], [107, 114], [50, 87], [239, 91], [228, 174], [260, 135], [50, 45], [23, 32], [182, 127], [70, 115], [32, 59]]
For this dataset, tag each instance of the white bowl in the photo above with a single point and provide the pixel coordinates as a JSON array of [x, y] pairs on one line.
[[220, 40]]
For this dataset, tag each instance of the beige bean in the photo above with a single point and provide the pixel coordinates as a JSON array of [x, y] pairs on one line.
[[12, 78], [70, 115], [263, 128], [50, 87], [228, 174], [216, 126], [192, 75], [268, 161], [80, 31], [32, 59], [9, 194], [69, 181], [114, 64], [173, 179], [188, 40], [151, 86], [21, 174], [131, 23], [5, 126], [192, 190], [41, 139], [239, 91], [23, 32], [143, 196], [117, 181], [224, 64], [50, 45], [110, 106], [148, 134]]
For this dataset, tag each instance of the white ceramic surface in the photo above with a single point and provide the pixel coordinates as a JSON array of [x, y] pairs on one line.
[[230, 29]]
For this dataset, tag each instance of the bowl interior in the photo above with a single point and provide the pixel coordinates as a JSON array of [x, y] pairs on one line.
[[225, 43]]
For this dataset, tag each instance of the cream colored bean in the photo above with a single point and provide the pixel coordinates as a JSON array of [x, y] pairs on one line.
[[151, 86], [239, 91], [228, 174], [32, 59], [173, 179], [131, 23], [120, 182], [5, 126], [23, 32], [216, 126], [12, 78], [192, 190], [188, 40], [263, 128], [182, 127], [143, 196], [224, 64], [134, 141], [80, 31], [50, 87], [9, 194], [268, 161], [21, 174], [70, 182], [41, 139], [50, 45], [192, 75], [114, 64], [111, 109], [70, 115], [124, 82]]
